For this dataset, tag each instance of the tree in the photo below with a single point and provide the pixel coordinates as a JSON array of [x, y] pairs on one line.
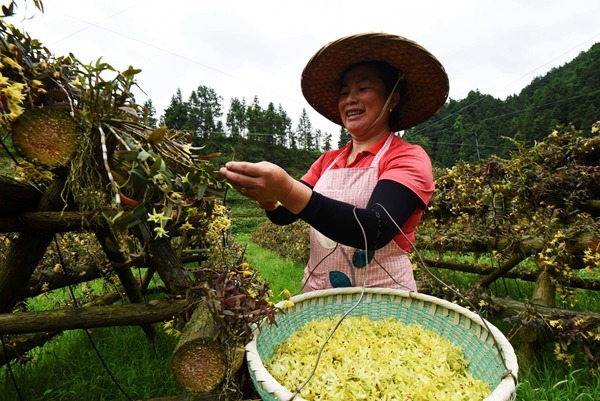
[[236, 120], [270, 121], [344, 137], [284, 127], [204, 111], [304, 132], [150, 114], [318, 139], [254, 119], [327, 142], [176, 114]]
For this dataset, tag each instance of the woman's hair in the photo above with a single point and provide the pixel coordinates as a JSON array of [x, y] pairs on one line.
[[389, 75]]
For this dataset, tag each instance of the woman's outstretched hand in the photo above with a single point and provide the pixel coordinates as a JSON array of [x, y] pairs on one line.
[[267, 184]]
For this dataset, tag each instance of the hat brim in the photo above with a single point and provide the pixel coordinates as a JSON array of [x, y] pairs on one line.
[[426, 81]]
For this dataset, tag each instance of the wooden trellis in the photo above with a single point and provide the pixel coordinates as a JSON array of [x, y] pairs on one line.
[[35, 218]]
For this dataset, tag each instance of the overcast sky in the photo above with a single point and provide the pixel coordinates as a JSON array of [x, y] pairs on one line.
[[247, 48]]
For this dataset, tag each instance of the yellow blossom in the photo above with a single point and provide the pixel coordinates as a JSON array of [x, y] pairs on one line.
[[9, 61], [157, 217], [160, 232], [186, 226], [555, 323], [288, 304]]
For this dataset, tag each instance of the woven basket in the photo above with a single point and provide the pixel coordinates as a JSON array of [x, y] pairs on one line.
[[455, 323]]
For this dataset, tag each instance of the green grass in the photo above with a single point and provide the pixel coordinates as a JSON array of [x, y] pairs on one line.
[[551, 382], [68, 368], [281, 273], [246, 215]]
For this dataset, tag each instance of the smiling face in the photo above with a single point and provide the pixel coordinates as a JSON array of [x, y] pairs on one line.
[[362, 97]]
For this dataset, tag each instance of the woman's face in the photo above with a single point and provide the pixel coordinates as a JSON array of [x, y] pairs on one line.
[[362, 97]]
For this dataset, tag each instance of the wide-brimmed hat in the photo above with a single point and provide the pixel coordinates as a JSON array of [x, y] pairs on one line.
[[426, 81]]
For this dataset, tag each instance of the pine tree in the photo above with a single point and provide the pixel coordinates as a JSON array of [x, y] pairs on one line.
[[204, 111], [176, 114], [236, 117], [304, 132], [149, 117], [345, 137]]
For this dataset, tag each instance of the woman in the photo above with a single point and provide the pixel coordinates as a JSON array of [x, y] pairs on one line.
[[363, 201]]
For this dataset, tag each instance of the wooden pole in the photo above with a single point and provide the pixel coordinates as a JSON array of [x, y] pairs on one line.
[[122, 269], [199, 362], [26, 251], [58, 221], [573, 282], [18, 346], [91, 317], [17, 196], [168, 266]]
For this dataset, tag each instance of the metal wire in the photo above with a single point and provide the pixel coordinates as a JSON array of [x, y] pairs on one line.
[[508, 372], [87, 332], [362, 294], [10, 371]]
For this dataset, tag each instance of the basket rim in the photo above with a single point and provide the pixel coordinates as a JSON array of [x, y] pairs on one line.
[[505, 390]]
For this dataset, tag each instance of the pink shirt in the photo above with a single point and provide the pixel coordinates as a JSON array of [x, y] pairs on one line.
[[404, 163]]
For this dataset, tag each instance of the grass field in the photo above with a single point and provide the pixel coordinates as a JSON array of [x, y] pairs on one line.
[[68, 368]]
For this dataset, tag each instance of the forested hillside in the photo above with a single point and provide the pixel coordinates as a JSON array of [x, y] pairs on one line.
[[475, 127]]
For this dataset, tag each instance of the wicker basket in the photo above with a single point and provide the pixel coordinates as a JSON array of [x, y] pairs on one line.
[[457, 324]]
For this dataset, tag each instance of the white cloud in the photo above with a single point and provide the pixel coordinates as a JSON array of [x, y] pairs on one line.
[[258, 48]]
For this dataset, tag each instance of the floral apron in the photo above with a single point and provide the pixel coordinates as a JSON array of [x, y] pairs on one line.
[[333, 265]]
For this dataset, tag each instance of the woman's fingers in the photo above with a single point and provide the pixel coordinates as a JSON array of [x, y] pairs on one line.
[[246, 169], [249, 175], [264, 181], [236, 176]]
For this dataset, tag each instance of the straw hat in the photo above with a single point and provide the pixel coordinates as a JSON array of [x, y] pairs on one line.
[[426, 81]]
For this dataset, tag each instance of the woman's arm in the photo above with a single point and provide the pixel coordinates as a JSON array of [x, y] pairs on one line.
[[268, 184], [337, 220], [282, 216]]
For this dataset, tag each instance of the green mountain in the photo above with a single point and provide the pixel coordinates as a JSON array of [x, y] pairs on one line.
[[477, 126]]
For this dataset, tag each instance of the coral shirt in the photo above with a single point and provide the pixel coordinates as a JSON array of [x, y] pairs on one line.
[[404, 163]]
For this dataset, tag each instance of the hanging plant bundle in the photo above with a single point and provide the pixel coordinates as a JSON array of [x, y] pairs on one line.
[[46, 136]]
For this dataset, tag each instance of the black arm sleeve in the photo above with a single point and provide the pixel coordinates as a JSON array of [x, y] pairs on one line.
[[337, 221], [281, 216]]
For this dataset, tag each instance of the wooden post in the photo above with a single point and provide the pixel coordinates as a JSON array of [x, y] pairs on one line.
[[168, 266], [199, 362], [90, 317], [121, 265], [544, 293], [17, 196], [26, 252]]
